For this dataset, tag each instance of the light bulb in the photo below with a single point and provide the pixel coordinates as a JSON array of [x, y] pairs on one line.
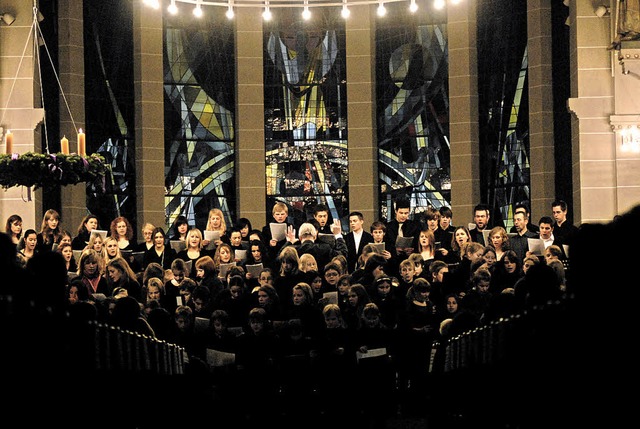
[[382, 11], [306, 13], [266, 15], [413, 7], [173, 9], [230, 13], [345, 12]]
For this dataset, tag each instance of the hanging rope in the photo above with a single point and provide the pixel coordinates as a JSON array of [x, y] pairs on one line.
[[38, 35]]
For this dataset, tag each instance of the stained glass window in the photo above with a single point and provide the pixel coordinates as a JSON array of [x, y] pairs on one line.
[[503, 107], [199, 118], [413, 109], [305, 113], [109, 101]]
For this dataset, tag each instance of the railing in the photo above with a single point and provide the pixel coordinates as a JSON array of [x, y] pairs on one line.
[[44, 338], [503, 340]]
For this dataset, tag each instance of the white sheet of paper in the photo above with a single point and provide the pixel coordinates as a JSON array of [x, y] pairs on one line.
[[371, 353], [211, 235], [331, 296], [254, 270], [379, 247], [241, 254], [278, 231], [102, 232], [178, 245], [536, 245]]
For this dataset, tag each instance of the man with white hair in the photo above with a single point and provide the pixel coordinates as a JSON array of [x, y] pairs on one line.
[[323, 252]]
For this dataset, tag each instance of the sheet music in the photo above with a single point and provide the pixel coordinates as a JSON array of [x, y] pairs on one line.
[[371, 353], [255, 270], [536, 245], [241, 254], [178, 245], [331, 297], [102, 232], [278, 231], [378, 246], [225, 267], [404, 242]]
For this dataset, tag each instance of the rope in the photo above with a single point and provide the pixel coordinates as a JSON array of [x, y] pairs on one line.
[[37, 32]]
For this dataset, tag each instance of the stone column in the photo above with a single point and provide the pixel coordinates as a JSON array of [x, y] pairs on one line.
[[361, 110], [149, 114], [250, 145], [71, 72], [463, 111], [541, 141]]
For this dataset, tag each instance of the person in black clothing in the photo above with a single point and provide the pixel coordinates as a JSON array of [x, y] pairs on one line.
[[481, 218], [401, 225], [356, 239], [160, 252], [523, 208], [88, 224], [180, 228], [322, 216], [563, 230], [322, 252]]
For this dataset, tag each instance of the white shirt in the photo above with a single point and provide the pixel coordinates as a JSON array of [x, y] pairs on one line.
[[357, 236]]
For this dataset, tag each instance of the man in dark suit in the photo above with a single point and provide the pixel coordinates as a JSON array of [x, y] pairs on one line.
[[403, 226], [356, 239], [481, 217], [521, 207], [322, 252], [563, 229]]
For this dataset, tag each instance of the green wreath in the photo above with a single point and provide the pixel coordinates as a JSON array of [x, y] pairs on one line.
[[47, 170]]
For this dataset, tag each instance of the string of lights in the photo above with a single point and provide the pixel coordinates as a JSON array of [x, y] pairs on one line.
[[305, 5]]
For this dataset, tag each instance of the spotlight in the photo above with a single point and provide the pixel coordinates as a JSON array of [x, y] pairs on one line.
[[7, 18]]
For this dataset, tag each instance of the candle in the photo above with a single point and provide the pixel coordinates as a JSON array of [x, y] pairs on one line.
[[9, 142], [82, 145], [64, 145]]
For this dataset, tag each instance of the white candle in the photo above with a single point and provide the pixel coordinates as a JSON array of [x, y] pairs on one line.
[[64, 145], [9, 142], [82, 145]]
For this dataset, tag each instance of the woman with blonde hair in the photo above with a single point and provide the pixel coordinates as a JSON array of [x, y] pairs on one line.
[[120, 274], [97, 243], [147, 237], [111, 249], [287, 274], [308, 262], [90, 269], [216, 223], [194, 249]]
